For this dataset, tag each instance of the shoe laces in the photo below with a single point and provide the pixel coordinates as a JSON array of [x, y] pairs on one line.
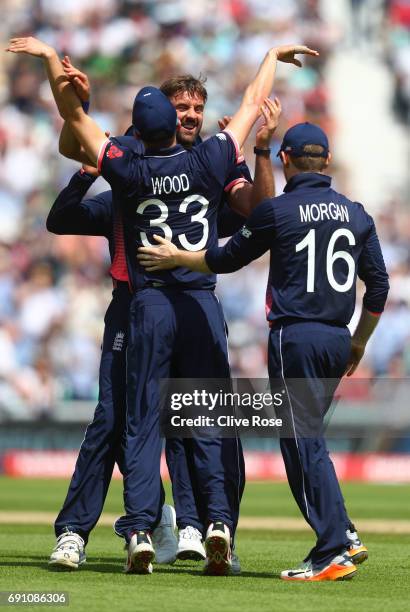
[[190, 533], [69, 540]]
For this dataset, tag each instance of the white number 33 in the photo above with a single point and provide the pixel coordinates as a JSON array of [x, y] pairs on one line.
[[160, 221]]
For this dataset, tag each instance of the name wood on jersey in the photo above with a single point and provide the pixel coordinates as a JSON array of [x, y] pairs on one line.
[[167, 184], [320, 212]]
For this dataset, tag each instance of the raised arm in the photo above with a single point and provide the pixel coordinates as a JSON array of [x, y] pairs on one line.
[[68, 144], [260, 88], [87, 132], [244, 197]]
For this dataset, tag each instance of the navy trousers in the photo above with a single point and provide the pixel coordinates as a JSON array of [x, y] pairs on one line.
[[190, 502], [101, 447], [102, 444], [308, 359], [178, 333]]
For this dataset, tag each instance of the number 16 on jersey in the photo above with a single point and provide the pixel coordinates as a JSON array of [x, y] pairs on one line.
[[309, 243]]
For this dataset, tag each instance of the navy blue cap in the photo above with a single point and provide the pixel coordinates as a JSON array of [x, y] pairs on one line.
[[153, 115], [302, 134]]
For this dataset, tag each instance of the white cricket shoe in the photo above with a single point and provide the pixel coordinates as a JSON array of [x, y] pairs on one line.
[[357, 550], [218, 550], [340, 568], [163, 537], [190, 545], [140, 554], [68, 552]]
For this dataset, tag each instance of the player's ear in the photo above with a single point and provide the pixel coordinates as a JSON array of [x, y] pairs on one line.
[[284, 159], [328, 159]]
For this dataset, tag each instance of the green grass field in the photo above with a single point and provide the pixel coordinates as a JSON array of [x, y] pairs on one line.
[[383, 583]]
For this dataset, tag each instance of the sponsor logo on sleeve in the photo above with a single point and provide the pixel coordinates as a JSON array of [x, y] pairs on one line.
[[114, 152]]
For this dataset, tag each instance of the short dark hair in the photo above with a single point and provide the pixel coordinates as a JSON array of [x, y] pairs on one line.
[[309, 163], [185, 82]]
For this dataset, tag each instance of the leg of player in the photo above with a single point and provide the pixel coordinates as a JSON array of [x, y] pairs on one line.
[[217, 463], [89, 485], [149, 352], [189, 502], [100, 450], [309, 358]]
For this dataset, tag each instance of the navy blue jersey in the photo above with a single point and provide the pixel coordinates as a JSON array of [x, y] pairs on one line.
[[319, 243], [229, 221], [174, 193], [73, 214]]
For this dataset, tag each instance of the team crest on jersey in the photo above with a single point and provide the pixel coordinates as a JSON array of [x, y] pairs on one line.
[[246, 233], [221, 136], [114, 152], [118, 341]]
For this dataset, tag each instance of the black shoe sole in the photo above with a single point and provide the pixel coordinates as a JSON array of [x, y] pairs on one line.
[[190, 555], [347, 577], [361, 557]]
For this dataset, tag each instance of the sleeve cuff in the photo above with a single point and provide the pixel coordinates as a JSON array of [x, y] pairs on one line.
[[232, 184]]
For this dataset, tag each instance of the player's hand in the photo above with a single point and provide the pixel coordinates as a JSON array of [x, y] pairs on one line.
[[224, 122], [356, 353], [91, 170], [31, 46], [271, 111], [78, 79], [162, 257], [286, 53]]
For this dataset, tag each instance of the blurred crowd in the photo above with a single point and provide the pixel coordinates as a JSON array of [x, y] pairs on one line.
[[54, 290]]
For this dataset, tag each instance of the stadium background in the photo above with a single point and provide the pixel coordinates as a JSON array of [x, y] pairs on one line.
[[54, 290]]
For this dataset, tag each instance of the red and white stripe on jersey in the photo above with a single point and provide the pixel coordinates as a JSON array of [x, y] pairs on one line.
[[102, 150], [236, 181], [119, 270], [239, 156]]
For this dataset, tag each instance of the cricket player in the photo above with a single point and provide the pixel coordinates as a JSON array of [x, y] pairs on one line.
[[319, 243], [176, 323], [88, 488]]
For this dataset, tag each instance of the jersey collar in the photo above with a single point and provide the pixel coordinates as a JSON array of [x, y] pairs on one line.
[[308, 180], [152, 152]]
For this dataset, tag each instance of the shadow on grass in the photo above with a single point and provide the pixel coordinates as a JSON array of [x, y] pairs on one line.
[[114, 565]]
